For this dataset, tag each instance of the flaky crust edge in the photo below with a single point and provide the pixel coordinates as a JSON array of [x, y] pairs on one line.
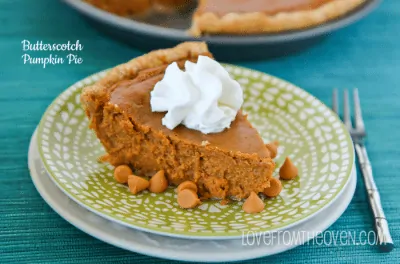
[[258, 22], [99, 91]]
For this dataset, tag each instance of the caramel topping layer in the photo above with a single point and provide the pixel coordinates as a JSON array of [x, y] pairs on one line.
[[223, 7]]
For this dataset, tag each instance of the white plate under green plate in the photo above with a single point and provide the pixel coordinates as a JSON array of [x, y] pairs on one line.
[[308, 132]]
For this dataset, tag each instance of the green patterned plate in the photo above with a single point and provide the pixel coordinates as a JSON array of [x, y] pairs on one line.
[[307, 130]]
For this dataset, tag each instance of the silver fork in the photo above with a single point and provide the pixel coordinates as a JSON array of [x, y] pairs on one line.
[[358, 135]]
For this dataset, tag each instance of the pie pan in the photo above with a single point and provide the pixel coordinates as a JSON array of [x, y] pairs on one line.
[[149, 35]]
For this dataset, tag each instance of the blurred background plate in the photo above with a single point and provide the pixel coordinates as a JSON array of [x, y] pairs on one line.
[[163, 31]]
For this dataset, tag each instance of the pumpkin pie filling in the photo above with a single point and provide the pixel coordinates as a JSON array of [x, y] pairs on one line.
[[133, 97], [122, 7], [270, 7]]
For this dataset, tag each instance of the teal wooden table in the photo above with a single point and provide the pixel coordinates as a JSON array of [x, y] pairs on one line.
[[364, 55]]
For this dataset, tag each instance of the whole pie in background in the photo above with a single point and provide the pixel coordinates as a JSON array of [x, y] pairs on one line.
[[240, 17]]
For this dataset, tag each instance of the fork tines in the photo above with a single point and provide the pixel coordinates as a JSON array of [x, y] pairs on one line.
[[359, 128]]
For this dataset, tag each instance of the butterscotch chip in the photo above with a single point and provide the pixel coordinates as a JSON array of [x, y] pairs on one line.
[[273, 149], [158, 183], [288, 171], [275, 187], [187, 185], [187, 198], [121, 173], [137, 184], [253, 204]]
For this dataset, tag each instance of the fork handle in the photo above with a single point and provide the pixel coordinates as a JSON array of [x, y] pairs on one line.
[[381, 224]]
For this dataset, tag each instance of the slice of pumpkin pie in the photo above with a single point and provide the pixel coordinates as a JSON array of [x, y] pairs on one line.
[[178, 110]]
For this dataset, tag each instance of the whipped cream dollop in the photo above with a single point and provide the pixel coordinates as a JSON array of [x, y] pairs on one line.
[[203, 97]]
